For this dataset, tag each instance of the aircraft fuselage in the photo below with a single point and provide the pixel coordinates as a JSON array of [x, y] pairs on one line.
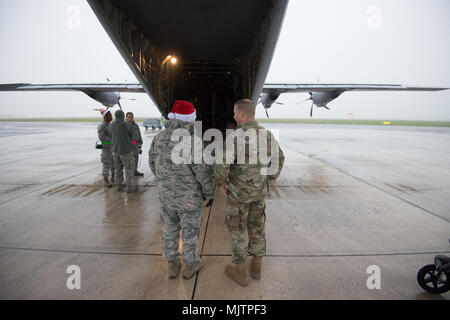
[[223, 49]]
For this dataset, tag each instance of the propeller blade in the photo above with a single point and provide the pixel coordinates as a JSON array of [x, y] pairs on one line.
[[119, 97], [107, 79], [303, 101], [280, 103], [310, 112], [118, 102], [267, 114]]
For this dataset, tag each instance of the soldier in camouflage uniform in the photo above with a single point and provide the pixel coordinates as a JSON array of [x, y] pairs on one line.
[[182, 188], [137, 144], [246, 188], [122, 150], [104, 135]]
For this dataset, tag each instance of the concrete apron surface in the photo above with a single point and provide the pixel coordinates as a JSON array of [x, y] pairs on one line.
[[326, 232]]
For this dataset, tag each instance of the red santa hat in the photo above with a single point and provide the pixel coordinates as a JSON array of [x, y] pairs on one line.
[[182, 110], [103, 112]]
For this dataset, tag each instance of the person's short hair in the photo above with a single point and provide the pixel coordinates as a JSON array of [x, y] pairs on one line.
[[128, 114], [247, 106]]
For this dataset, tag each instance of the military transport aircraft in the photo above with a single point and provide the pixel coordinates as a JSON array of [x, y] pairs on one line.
[[210, 52]]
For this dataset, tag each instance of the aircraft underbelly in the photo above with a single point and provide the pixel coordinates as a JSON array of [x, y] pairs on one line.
[[223, 49]]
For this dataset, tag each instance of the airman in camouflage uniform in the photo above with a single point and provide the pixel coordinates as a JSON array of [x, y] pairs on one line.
[[104, 135], [137, 144], [182, 188], [246, 188], [122, 150]]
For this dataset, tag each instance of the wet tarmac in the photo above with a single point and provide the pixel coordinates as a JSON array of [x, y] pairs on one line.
[[349, 197]]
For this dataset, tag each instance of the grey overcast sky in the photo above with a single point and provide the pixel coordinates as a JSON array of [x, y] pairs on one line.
[[345, 41]]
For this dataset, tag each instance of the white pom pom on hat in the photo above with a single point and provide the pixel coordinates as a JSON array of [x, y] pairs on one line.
[[182, 110]]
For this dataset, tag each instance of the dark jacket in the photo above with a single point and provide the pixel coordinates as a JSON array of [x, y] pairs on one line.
[[122, 135]]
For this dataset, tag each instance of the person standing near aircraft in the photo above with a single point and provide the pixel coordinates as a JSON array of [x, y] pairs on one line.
[[182, 186], [122, 150], [246, 188], [104, 135], [137, 143]]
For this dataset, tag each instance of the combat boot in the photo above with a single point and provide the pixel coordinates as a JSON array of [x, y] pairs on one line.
[[121, 186], [237, 272], [106, 182], [138, 174], [188, 272], [174, 268], [255, 267]]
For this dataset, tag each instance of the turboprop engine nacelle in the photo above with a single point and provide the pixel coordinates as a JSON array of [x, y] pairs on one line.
[[108, 99], [267, 99]]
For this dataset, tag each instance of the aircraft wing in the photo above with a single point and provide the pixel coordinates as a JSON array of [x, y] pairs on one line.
[[92, 87], [318, 87], [268, 87]]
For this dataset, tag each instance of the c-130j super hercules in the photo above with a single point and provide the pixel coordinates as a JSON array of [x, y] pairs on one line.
[[216, 53]]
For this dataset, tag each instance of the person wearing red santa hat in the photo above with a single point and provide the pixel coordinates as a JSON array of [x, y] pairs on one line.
[[182, 187]]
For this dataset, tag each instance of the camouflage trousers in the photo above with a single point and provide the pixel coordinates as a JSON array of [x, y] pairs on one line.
[[136, 156], [189, 222], [107, 162], [126, 161], [246, 219]]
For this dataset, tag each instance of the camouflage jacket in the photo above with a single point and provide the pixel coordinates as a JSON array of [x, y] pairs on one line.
[[245, 178], [104, 134], [180, 186], [136, 135]]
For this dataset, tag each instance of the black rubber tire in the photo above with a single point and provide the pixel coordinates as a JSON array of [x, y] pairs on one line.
[[425, 278]]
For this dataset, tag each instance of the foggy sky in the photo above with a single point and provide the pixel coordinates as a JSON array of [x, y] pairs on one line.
[[346, 41]]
